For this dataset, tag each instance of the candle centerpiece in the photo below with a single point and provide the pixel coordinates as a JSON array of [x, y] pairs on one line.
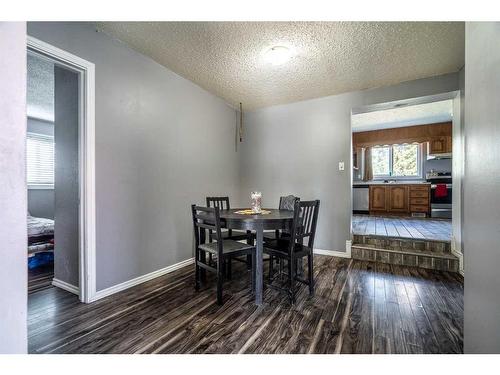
[[256, 201]]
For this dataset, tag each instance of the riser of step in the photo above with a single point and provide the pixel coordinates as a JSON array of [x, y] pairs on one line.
[[442, 262], [403, 244]]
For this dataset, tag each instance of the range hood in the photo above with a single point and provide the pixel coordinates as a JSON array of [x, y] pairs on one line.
[[443, 155]]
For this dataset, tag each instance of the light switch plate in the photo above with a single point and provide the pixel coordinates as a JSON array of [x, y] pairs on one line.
[[341, 166]]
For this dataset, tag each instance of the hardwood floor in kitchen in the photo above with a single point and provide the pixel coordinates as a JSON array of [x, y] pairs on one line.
[[358, 307], [404, 227]]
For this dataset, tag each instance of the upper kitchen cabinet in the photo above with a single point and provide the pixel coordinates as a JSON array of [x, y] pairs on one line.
[[439, 146]]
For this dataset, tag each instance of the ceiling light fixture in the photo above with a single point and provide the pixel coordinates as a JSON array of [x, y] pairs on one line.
[[278, 55]]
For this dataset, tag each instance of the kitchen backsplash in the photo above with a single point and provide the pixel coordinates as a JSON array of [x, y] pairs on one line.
[[440, 165]]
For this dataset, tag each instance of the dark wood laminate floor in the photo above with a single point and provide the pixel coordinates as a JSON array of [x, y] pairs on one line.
[[40, 278], [405, 227], [359, 307]]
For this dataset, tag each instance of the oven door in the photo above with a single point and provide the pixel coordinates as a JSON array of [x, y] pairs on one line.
[[441, 200], [441, 206]]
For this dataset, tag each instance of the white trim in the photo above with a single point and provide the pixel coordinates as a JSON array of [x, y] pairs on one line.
[[403, 103], [86, 70], [335, 253], [460, 257], [455, 250], [41, 186], [457, 171], [66, 286], [332, 253], [141, 279]]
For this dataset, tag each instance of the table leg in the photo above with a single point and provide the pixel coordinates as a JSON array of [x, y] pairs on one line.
[[259, 266], [249, 257]]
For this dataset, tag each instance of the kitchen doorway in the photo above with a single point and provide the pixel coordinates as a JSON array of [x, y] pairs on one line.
[[407, 159]]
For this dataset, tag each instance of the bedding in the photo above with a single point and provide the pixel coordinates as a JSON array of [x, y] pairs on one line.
[[40, 248], [39, 226]]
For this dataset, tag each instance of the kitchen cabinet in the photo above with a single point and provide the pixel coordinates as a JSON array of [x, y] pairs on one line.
[[439, 145], [377, 198], [420, 199], [399, 199]]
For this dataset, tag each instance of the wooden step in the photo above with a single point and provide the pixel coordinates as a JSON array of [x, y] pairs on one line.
[[404, 244], [442, 261]]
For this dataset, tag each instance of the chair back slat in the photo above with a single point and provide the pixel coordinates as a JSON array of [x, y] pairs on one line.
[[304, 223], [288, 202], [207, 218], [220, 202]]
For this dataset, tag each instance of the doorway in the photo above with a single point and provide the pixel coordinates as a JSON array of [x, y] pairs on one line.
[[407, 159], [62, 174]]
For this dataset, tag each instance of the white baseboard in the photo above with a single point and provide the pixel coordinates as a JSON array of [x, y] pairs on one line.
[[66, 286], [460, 257], [141, 279], [335, 253], [457, 251]]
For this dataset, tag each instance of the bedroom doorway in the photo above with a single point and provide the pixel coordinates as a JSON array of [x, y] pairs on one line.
[[60, 173]]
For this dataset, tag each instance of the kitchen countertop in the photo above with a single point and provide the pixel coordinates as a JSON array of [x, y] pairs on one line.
[[363, 183]]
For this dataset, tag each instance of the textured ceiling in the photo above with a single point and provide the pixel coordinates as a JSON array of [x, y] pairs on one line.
[[40, 88], [419, 114], [226, 58]]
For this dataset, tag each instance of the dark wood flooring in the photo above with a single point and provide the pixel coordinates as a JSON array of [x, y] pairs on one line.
[[40, 278], [405, 227], [358, 307]]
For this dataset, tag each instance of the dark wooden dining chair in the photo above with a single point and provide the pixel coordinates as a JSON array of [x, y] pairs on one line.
[[223, 204], [296, 247], [286, 203], [208, 218]]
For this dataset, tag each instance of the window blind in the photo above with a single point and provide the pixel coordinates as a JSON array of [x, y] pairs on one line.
[[40, 160]]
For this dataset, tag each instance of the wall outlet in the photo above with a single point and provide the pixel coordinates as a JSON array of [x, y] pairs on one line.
[[341, 166]]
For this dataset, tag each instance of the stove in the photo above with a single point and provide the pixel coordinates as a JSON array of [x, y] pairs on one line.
[[441, 206]]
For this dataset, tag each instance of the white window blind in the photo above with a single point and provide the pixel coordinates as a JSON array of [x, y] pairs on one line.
[[40, 161]]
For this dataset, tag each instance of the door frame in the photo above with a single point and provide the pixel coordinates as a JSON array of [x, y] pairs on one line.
[[458, 157], [86, 152]]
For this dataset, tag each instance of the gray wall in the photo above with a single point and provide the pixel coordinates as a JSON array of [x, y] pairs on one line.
[[66, 224], [162, 143], [481, 234], [13, 233], [41, 201], [295, 148]]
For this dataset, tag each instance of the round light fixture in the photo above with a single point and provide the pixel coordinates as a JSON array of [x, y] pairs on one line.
[[278, 55]]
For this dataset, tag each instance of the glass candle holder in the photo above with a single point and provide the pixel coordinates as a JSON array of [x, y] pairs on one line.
[[256, 201]]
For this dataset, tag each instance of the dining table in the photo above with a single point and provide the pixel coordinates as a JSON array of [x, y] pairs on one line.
[[268, 219]]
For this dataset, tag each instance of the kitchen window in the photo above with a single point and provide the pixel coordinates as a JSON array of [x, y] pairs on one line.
[[397, 161], [40, 161]]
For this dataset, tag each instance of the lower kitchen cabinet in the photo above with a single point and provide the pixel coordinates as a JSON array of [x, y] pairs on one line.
[[378, 199], [397, 198], [400, 199]]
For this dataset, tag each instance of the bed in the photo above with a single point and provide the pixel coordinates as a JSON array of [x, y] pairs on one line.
[[40, 235], [40, 226]]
